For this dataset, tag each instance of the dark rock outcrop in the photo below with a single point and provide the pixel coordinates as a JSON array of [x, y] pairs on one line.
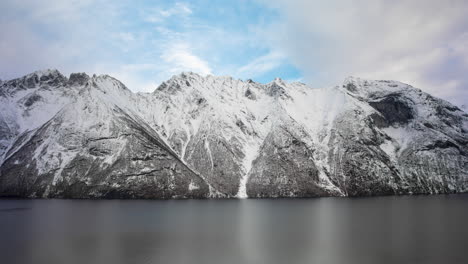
[[284, 168], [78, 79]]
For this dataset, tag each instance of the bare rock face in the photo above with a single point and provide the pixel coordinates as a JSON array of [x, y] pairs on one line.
[[213, 137], [217, 160], [357, 165], [284, 168], [7, 134], [78, 79], [395, 109]]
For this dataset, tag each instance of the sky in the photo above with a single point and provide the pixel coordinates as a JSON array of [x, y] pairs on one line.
[[143, 43]]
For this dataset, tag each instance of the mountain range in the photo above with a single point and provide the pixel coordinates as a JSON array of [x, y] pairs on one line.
[[217, 137]]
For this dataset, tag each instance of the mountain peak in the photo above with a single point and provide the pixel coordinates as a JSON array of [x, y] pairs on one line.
[[278, 81], [366, 88], [46, 72], [78, 78], [50, 77], [106, 83], [187, 75]]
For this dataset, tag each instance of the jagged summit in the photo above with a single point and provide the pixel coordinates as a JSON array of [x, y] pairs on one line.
[[52, 78], [208, 136], [46, 73], [187, 78], [78, 78], [278, 80]]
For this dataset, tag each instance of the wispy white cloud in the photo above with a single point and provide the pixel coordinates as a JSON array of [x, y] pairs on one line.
[[262, 64], [125, 36], [157, 15], [145, 77], [179, 57], [138, 77]]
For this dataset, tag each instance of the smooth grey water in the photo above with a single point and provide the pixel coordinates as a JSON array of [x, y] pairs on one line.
[[409, 229]]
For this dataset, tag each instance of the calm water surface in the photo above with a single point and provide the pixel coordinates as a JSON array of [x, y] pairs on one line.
[[418, 229]]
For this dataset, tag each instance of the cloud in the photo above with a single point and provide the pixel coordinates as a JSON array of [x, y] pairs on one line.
[[158, 15], [423, 43], [53, 11], [138, 77], [125, 36], [179, 57], [262, 64], [145, 77], [64, 35]]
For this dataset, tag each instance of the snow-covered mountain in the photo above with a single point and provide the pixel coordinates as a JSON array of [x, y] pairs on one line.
[[197, 137]]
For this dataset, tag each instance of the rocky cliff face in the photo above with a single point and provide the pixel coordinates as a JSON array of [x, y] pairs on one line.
[[200, 137]]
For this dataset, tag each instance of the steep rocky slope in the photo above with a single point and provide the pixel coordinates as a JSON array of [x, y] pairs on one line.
[[92, 146], [197, 137]]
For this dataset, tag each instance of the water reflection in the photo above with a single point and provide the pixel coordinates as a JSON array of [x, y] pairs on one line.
[[428, 229]]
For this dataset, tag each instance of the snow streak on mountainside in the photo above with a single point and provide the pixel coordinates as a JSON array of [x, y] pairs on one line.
[[197, 137]]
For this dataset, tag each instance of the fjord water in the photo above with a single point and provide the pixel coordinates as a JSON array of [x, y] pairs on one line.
[[406, 229]]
